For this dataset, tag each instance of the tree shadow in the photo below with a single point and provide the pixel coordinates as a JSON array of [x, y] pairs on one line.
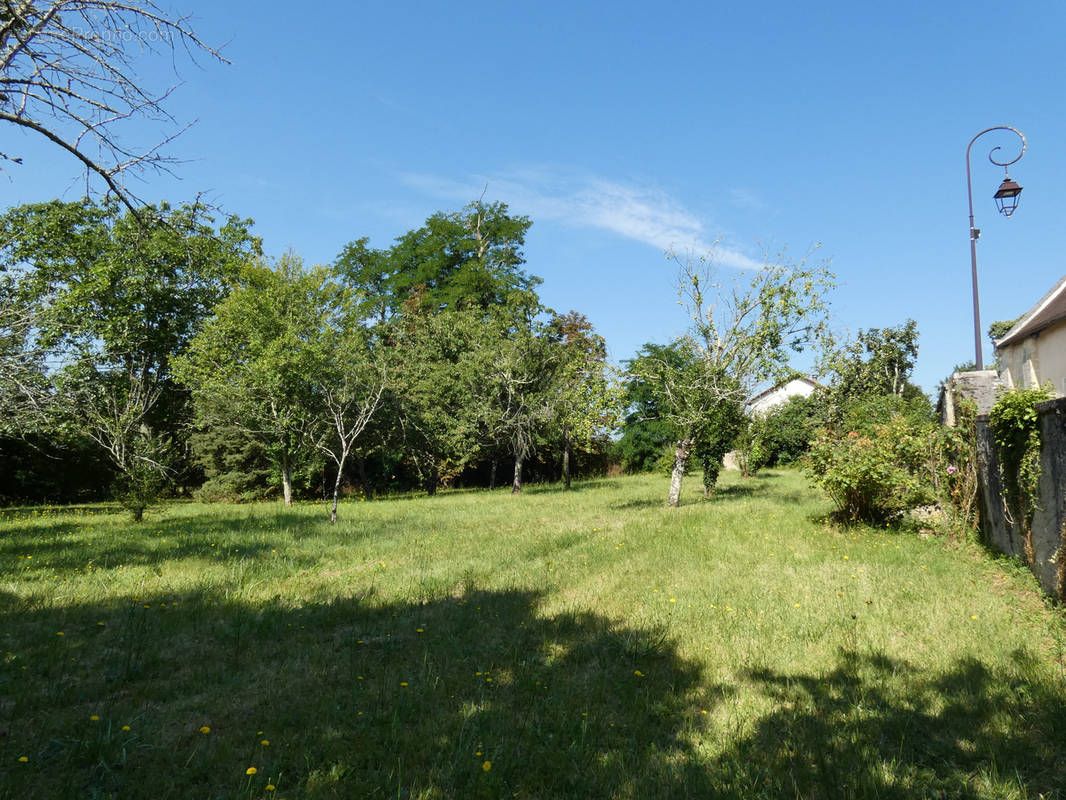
[[472, 694], [873, 726], [57, 545]]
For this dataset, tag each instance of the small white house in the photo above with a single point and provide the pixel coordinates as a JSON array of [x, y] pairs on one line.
[[778, 395], [1034, 350]]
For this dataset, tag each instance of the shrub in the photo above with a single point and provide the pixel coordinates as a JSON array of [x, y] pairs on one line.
[[786, 431], [876, 474]]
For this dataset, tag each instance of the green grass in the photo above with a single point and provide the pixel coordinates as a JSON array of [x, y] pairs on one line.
[[555, 644]]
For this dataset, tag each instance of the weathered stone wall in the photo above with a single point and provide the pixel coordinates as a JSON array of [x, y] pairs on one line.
[[1046, 556]]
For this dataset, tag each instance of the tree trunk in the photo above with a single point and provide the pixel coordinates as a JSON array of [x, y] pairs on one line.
[[684, 446], [492, 476], [337, 487], [360, 473], [432, 479], [516, 484], [566, 459], [286, 477]]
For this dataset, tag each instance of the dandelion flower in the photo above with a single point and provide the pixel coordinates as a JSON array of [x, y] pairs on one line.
[[270, 787], [205, 730], [251, 771], [486, 766], [638, 673], [265, 743], [403, 683], [125, 727], [95, 718], [23, 759]]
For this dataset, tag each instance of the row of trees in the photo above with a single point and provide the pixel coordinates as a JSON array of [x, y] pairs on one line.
[[138, 356], [176, 352]]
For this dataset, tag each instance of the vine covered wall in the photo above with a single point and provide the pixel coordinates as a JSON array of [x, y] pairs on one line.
[[1041, 543]]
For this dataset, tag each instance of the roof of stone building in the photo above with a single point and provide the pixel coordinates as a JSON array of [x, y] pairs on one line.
[[1050, 309]]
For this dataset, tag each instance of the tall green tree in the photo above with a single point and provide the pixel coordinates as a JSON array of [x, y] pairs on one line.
[[442, 393], [111, 301], [646, 429], [585, 401], [465, 260], [255, 363]]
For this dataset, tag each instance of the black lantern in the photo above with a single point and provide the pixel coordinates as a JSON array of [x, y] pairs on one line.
[[1007, 196]]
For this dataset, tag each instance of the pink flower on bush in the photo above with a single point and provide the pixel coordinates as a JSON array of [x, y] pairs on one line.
[[952, 469]]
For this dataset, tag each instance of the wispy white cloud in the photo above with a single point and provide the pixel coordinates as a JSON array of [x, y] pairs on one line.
[[644, 214]]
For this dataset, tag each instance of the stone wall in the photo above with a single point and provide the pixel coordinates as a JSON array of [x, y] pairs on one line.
[[1044, 549]]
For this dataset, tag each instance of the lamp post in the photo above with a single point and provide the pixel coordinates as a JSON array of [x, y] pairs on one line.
[[1006, 198]]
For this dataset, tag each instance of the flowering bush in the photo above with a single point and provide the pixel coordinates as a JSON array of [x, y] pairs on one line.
[[879, 473]]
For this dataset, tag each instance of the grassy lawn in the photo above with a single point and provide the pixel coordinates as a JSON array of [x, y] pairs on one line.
[[551, 645]]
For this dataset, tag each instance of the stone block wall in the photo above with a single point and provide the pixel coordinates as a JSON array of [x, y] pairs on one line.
[[1044, 548]]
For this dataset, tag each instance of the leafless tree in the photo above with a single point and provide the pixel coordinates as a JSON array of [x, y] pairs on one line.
[[68, 71]]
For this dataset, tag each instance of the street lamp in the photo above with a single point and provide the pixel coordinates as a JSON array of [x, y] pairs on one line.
[[1006, 198]]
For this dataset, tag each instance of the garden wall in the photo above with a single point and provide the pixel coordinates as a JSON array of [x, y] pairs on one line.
[[1044, 551]]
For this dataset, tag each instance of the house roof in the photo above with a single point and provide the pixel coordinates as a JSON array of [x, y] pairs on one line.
[[1050, 309], [772, 389]]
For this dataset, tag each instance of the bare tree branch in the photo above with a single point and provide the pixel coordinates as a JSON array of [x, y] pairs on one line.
[[68, 71]]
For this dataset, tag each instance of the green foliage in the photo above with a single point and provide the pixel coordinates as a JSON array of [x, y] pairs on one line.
[[878, 362], [113, 299], [715, 437], [998, 329], [955, 477], [787, 430], [878, 469], [236, 464], [145, 478], [648, 435], [469, 259], [750, 446], [255, 363], [1015, 427]]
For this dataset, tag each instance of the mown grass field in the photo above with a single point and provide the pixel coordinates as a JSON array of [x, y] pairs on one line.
[[555, 644]]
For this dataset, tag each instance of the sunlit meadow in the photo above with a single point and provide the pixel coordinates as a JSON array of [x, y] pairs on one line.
[[580, 644]]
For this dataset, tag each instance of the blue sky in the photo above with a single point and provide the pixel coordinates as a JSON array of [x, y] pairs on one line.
[[622, 129]]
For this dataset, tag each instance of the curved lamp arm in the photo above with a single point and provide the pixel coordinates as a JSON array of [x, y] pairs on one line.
[[974, 232]]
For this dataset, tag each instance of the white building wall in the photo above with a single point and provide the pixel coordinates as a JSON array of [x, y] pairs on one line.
[[781, 395], [1036, 359]]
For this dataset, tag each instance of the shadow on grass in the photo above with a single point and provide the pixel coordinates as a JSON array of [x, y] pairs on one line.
[[478, 694], [873, 726], [58, 545], [472, 695]]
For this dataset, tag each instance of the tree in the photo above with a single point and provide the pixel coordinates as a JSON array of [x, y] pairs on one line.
[[584, 401], [787, 430], [70, 71], [254, 364], [112, 409], [646, 430], [522, 376], [103, 302], [878, 362], [463, 260], [348, 388], [26, 394], [442, 393], [737, 337]]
